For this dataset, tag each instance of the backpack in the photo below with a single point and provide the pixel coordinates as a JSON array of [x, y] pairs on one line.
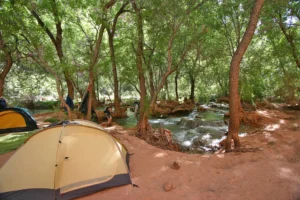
[[3, 104]]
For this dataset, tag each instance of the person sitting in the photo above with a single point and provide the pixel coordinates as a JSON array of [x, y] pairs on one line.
[[136, 107], [108, 111], [3, 103]]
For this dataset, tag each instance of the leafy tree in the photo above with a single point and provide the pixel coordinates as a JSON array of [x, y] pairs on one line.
[[234, 101]]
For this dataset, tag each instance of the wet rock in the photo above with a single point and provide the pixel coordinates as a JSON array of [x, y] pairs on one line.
[[190, 135], [198, 142], [219, 105], [201, 109], [194, 123], [212, 131]]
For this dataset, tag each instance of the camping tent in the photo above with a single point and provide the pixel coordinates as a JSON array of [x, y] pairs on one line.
[[64, 162], [16, 120]]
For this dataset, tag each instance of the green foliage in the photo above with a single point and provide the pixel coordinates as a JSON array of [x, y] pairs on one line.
[[46, 104], [209, 35], [52, 120]]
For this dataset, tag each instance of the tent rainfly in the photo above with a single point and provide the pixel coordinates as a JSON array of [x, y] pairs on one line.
[[65, 162], [16, 120]]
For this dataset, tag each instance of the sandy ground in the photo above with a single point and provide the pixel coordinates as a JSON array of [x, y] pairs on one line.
[[273, 173]]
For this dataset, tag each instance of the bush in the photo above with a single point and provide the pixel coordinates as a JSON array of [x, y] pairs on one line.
[[46, 104]]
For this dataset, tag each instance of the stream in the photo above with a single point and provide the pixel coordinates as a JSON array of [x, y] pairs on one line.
[[198, 132]]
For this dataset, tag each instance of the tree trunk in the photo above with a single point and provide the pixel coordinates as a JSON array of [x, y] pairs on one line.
[[2, 81], [151, 80], [58, 83], [7, 66], [167, 89], [176, 85], [111, 33], [57, 42], [234, 100], [70, 85], [192, 81], [91, 71], [115, 74], [76, 86], [94, 60], [143, 125], [97, 89], [6, 69], [91, 96]]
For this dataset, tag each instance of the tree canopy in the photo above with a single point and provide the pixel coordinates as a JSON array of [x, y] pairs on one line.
[[185, 49]]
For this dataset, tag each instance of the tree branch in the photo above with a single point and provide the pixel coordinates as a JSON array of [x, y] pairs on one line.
[[42, 24]]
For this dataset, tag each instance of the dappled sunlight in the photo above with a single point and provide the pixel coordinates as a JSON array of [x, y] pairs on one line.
[[269, 137], [135, 179], [13, 141], [287, 173], [282, 121], [160, 155], [13, 137], [264, 113], [187, 162], [243, 134], [164, 168], [8, 137], [272, 127], [221, 155]]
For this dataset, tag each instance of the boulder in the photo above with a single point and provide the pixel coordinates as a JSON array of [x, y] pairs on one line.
[[194, 123]]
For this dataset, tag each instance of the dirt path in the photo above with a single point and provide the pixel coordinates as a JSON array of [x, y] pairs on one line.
[[270, 174]]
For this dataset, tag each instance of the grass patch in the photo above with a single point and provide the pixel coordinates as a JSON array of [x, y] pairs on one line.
[[46, 104], [13, 141]]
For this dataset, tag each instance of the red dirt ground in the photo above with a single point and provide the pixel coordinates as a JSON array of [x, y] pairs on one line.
[[270, 174]]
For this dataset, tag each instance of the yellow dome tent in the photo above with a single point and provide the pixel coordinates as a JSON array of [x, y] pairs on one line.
[[16, 120], [65, 162]]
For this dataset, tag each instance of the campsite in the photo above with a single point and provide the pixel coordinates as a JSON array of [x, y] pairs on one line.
[[149, 100]]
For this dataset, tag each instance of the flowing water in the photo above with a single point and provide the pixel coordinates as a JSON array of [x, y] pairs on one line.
[[196, 132]]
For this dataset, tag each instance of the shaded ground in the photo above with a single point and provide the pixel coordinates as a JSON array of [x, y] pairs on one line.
[[272, 173]]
